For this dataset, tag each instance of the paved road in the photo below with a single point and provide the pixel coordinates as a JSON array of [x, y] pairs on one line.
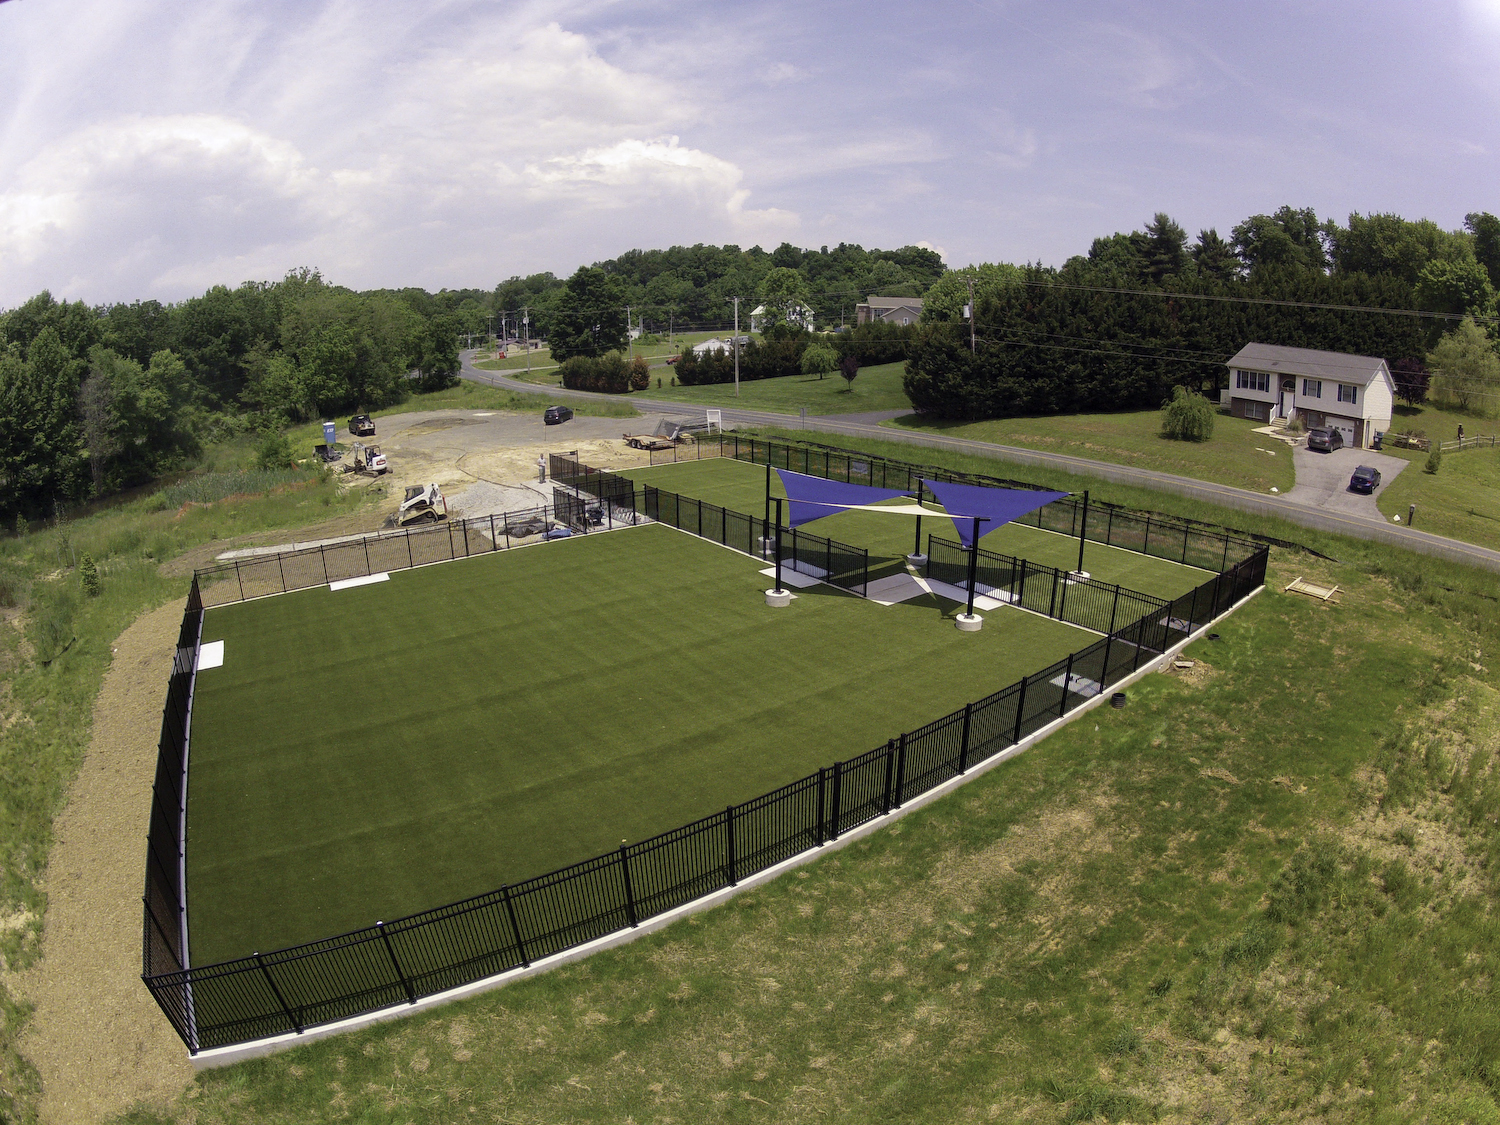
[[1356, 524]]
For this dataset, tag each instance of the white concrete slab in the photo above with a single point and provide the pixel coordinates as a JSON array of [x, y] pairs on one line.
[[1078, 685], [211, 655], [894, 588], [961, 595], [790, 577], [367, 580]]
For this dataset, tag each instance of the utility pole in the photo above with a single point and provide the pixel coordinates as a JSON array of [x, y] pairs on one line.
[[629, 350], [971, 319], [736, 301], [526, 321]]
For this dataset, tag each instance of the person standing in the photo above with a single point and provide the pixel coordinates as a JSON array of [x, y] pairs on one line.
[[541, 468]]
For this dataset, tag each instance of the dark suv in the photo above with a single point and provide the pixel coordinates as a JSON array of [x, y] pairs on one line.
[[557, 414], [1325, 441]]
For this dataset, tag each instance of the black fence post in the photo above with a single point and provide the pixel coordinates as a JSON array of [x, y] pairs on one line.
[[280, 999], [1109, 641], [1146, 542], [282, 571], [410, 560], [890, 769], [898, 794], [1062, 707], [240, 578], [1020, 710], [515, 928], [411, 993], [734, 875], [629, 890], [366, 542], [963, 744], [1052, 605], [1018, 598], [822, 806], [323, 555], [1114, 609], [838, 786]]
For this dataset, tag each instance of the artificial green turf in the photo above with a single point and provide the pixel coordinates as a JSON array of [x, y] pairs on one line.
[[368, 753], [741, 486]]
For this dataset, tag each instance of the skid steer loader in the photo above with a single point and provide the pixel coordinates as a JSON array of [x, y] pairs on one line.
[[422, 502]]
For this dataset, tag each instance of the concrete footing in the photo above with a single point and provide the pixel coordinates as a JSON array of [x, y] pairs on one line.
[[968, 622], [917, 561], [779, 598]]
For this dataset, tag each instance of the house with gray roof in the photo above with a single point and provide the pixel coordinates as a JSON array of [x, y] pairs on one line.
[[890, 310], [1353, 394]]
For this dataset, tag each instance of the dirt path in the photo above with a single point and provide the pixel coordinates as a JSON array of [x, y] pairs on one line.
[[99, 1042]]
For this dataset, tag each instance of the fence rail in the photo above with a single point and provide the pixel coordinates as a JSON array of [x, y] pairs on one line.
[[1478, 441], [399, 962], [1166, 537], [833, 562], [1085, 602]]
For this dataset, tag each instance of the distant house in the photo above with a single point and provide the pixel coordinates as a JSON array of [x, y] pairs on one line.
[[799, 314], [889, 310], [1354, 394], [717, 344]]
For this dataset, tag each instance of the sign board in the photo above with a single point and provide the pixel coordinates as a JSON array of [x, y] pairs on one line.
[[330, 432], [715, 418]]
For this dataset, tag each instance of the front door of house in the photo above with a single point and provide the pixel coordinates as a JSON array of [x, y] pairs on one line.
[[1288, 397]]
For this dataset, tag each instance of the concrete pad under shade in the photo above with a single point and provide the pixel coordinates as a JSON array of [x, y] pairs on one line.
[[1078, 685], [367, 580], [961, 596], [211, 655], [894, 588], [790, 577]]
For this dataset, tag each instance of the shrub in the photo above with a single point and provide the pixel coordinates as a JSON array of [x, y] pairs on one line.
[[1188, 417], [640, 374], [274, 451], [607, 374], [88, 573], [1434, 460]]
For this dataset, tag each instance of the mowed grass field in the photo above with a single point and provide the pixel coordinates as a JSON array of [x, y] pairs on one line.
[[371, 752], [741, 487]]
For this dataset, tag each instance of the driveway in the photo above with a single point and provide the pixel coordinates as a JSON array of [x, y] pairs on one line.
[[1323, 479]]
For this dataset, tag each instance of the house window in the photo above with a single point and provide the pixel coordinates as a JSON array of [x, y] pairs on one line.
[[1312, 388], [1348, 393], [1252, 381]]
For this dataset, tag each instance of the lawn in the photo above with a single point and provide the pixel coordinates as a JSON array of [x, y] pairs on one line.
[[1462, 499], [544, 369], [368, 753], [875, 388], [741, 487], [1234, 456], [1257, 893]]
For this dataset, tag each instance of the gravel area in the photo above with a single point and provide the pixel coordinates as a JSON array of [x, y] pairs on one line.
[[488, 499], [97, 1038]]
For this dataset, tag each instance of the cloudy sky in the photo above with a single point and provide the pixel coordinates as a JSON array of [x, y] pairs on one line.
[[151, 149]]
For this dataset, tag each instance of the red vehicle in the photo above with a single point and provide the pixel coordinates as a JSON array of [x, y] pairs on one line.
[[671, 359]]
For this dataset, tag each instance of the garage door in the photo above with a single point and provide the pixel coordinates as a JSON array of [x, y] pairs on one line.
[[1343, 427]]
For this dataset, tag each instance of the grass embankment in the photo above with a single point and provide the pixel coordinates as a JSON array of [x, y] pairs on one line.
[[460, 761], [1462, 499], [543, 368], [741, 487], [1262, 891], [55, 649], [1235, 455]]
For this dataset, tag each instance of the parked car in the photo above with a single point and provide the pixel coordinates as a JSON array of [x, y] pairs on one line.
[[362, 425], [556, 415], [1325, 441], [1365, 479]]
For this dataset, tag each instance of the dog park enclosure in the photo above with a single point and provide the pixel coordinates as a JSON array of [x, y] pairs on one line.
[[260, 992]]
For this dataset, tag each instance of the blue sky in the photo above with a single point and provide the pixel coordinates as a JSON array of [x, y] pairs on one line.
[[150, 149]]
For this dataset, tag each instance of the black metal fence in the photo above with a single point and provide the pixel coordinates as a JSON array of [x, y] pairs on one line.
[[255, 576], [1166, 537], [828, 560], [399, 962], [1090, 604], [164, 943]]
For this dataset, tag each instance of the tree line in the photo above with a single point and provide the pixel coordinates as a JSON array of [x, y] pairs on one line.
[[97, 399], [1145, 312]]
